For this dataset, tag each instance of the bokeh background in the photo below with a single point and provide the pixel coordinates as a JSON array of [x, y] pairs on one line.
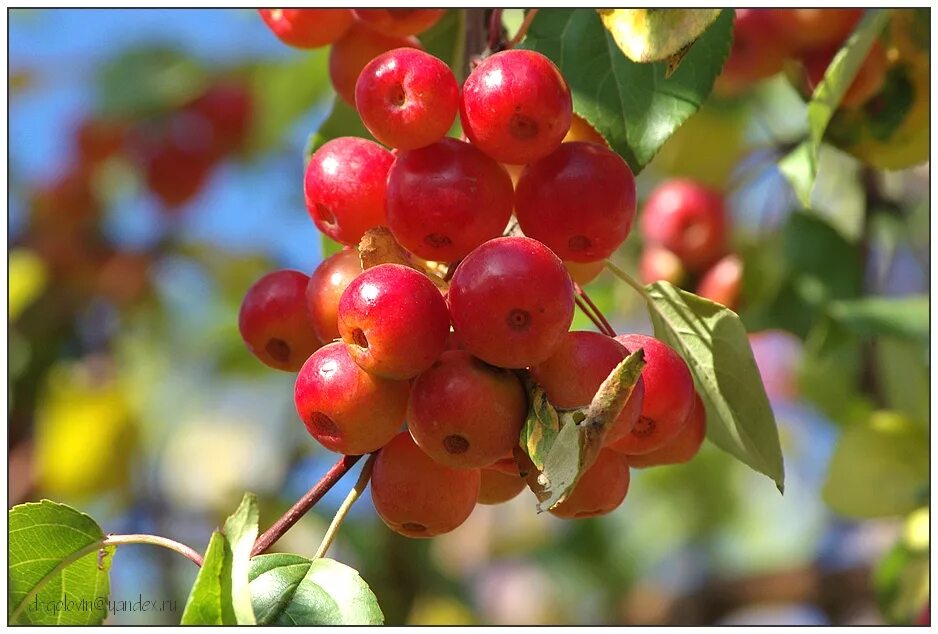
[[156, 160]]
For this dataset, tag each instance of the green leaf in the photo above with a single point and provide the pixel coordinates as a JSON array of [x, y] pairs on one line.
[[148, 81], [447, 40], [901, 317], [902, 370], [220, 595], [713, 342], [541, 425], [283, 92], [58, 566], [634, 106], [292, 590], [879, 468], [901, 583], [328, 246], [342, 121], [800, 168]]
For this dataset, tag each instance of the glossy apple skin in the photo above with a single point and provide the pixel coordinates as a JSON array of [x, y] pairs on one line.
[[274, 323], [573, 374], [669, 396], [511, 301], [657, 263], [308, 28], [352, 52], [579, 200], [600, 490], [418, 497], [465, 413], [689, 220], [516, 106], [399, 22], [684, 446], [722, 283], [325, 288], [866, 84], [343, 407], [758, 51], [446, 199], [808, 30], [394, 321], [346, 186], [407, 98], [498, 487]]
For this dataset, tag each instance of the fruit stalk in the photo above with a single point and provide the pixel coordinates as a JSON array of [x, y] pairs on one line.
[[363, 478]]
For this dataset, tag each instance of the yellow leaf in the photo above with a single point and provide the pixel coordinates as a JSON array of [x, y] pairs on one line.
[[27, 279], [652, 35]]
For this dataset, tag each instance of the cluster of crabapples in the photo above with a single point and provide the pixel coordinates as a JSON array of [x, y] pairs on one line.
[[685, 240], [427, 369]]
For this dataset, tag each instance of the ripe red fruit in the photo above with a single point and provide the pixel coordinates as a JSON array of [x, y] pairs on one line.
[[579, 365], [584, 272], [274, 322], [723, 282], [308, 28], [579, 200], [228, 109], [326, 285], [511, 302], [600, 490], [516, 106], [446, 199], [418, 497], [407, 98], [684, 446], [657, 263], [399, 22], [687, 219], [759, 50], [669, 396], [178, 163], [346, 186], [394, 321], [343, 407], [813, 29], [866, 84], [351, 53], [498, 487], [465, 413]]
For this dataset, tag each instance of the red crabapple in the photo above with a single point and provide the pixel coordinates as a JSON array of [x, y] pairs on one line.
[[351, 53], [688, 219], [399, 22], [418, 497], [506, 465], [579, 200], [572, 375], [867, 83], [274, 322], [407, 98], [394, 321], [723, 282], [516, 106], [178, 164], [446, 199], [669, 396], [326, 285], [511, 302], [498, 487], [465, 413], [657, 263], [758, 50], [584, 272], [308, 28], [812, 29], [346, 186], [600, 489], [343, 407], [683, 447], [580, 130], [228, 109]]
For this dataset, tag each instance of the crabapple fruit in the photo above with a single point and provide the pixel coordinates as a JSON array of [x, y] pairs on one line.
[[465, 413], [516, 106], [684, 446], [326, 285], [581, 130], [399, 22], [657, 263], [498, 487], [669, 396], [308, 28], [812, 29], [866, 84], [343, 407], [511, 302], [584, 272], [579, 201], [723, 282], [688, 219], [446, 199], [345, 187], [407, 98], [758, 50], [274, 322], [415, 495], [394, 321], [600, 489], [352, 52], [571, 376]]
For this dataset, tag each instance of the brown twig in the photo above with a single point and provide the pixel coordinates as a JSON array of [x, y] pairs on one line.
[[304, 504], [523, 29], [496, 40]]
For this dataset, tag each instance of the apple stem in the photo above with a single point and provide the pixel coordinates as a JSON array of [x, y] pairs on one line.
[[523, 29], [592, 311]]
